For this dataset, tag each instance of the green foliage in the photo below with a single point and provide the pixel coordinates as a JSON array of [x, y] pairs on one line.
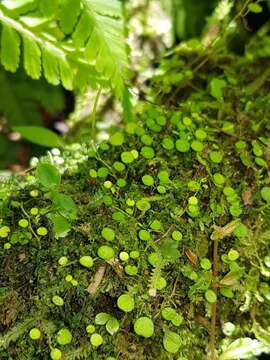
[[171, 342], [94, 31], [39, 135], [48, 176], [134, 255], [20, 95]]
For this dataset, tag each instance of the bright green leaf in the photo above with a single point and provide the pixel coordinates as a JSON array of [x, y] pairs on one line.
[[171, 342], [48, 175], [10, 48], [39, 135], [112, 325]]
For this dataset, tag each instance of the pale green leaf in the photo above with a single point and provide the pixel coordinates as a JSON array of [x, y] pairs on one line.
[[65, 206], [171, 342], [255, 8], [61, 226], [216, 88], [10, 48], [32, 58], [112, 325], [93, 46], [48, 7], [69, 13], [106, 43], [111, 8], [48, 175], [39, 135], [82, 31], [66, 74], [102, 318], [50, 66]]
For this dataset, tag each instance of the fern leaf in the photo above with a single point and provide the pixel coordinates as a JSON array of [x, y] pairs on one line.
[[48, 7], [95, 51], [69, 13], [110, 8], [66, 73], [106, 42], [82, 31], [50, 66], [32, 58], [10, 49]]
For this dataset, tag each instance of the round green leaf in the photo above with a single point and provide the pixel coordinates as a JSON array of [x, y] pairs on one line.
[[112, 325], [48, 175], [144, 327], [125, 302], [171, 342], [64, 337]]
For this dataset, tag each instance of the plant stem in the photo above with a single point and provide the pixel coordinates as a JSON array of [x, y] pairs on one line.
[[94, 112], [214, 306]]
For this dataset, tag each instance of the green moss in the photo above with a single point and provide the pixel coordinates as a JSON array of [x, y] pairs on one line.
[[178, 181]]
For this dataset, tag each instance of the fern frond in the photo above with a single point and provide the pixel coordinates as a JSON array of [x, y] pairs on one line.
[[156, 274], [90, 48], [16, 331], [105, 43]]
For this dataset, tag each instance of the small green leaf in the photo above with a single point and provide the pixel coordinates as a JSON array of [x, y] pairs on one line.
[[50, 66], [265, 194], [48, 175], [65, 206], [32, 57], [61, 227], [112, 325], [144, 326], [171, 342], [255, 8], [39, 135], [216, 88], [10, 48], [168, 313], [69, 13], [169, 250], [48, 7], [66, 74], [102, 318], [82, 31]]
